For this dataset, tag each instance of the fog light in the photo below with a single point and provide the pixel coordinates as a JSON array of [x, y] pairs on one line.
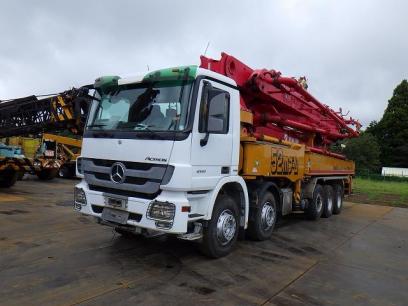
[[79, 196], [164, 224], [161, 210]]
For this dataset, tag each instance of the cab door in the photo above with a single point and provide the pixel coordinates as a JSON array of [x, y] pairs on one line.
[[212, 141]]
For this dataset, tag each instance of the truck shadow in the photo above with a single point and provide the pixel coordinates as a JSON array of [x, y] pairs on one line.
[[170, 246], [291, 219]]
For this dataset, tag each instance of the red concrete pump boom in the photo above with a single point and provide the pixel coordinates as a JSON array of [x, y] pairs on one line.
[[281, 106]]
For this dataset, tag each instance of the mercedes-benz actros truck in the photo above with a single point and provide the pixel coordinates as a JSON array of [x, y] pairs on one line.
[[207, 152]]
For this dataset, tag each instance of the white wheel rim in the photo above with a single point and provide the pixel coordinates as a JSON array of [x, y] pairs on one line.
[[329, 203], [319, 203], [226, 227], [268, 216], [339, 200]]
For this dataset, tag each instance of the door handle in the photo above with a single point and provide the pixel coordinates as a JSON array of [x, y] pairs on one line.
[[225, 170]]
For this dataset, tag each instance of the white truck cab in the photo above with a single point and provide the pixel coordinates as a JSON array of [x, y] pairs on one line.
[[161, 153]]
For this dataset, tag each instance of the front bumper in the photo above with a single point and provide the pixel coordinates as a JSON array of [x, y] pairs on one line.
[[138, 209]]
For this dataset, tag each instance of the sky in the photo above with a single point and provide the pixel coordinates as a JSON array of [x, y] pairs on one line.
[[354, 53]]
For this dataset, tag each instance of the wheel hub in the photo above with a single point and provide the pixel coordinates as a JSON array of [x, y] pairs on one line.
[[329, 204], [268, 215], [319, 203], [339, 202], [226, 227]]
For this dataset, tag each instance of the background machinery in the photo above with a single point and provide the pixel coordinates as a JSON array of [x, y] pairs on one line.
[[67, 149], [32, 117]]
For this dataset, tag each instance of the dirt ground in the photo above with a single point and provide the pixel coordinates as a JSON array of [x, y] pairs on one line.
[[51, 255]]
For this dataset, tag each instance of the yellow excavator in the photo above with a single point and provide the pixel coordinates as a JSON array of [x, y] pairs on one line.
[[67, 149]]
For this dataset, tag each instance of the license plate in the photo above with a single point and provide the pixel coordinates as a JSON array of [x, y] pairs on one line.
[[113, 215], [116, 202]]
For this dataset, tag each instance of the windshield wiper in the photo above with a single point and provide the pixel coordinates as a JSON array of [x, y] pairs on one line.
[[96, 125], [147, 128]]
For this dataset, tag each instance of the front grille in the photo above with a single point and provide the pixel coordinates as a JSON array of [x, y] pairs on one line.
[[128, 165], [123, 192], [142, 180], [130, 180]]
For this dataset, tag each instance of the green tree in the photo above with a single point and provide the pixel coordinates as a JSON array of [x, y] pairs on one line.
[[365, 151], [392, 130]]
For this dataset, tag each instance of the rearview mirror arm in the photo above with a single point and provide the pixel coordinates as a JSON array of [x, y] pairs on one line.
[[204, 141]]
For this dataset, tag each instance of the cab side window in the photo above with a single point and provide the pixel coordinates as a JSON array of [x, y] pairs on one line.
[[214, 111]]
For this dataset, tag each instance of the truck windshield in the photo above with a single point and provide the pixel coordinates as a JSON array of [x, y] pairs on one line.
[[158, 106]]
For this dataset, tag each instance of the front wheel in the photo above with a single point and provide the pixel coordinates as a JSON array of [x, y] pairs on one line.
[[221, 232], [263, 218], [8, 178]]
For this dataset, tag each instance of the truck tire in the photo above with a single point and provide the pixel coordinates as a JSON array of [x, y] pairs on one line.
[[328, 201], [338, 199], [262, 218], [67, 171], [8, 178], [47, 174], [221, 232], [64, 172], [315, 207]]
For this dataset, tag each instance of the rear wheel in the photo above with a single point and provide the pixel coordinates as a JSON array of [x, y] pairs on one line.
[[221, 233], [338, 199], [8, 178], [315, 207], [263, 218], [328, 201]]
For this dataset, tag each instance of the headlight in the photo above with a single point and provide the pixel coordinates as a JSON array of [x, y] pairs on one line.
[[161, 210], [79, 196], [79, 165], [37, 164]]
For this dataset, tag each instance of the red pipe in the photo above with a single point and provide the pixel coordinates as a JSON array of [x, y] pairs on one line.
[[289, 104]]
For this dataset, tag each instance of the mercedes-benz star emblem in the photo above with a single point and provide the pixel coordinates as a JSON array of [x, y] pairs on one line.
[[118, 173]]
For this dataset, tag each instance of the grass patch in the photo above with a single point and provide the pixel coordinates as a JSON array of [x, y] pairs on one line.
[[380, 192]]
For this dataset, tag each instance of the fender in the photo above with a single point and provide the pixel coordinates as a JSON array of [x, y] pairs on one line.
[[258, 188], [216, 190]]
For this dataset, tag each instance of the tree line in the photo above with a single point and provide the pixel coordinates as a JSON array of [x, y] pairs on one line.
[[383, 143]]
